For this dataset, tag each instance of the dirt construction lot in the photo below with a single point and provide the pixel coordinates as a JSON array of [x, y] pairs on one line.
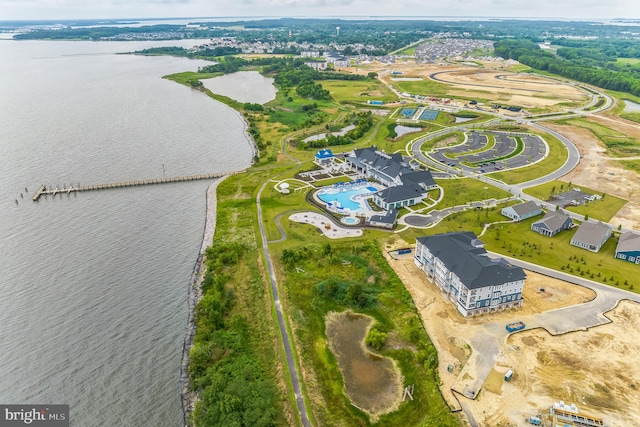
[[490, 82], [600, 172], [595, 369]]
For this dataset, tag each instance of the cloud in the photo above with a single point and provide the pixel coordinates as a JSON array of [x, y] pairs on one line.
[[59, 9]]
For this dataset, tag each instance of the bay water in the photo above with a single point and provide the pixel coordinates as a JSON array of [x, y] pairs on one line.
[[93, 285]]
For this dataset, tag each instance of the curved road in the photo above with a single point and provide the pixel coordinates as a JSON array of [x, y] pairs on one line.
[[592, 317]]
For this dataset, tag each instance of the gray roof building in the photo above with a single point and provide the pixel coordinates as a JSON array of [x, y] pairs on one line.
[[628, 248], [522, 211], [406, 186], [387, 220], [458, 264], [464, 254], [552, 223], [591, 236]]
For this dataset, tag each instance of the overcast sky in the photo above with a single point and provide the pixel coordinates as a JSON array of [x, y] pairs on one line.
[[74, 9]]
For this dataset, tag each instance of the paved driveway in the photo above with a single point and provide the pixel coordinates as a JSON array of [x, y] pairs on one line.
[[490, 337]]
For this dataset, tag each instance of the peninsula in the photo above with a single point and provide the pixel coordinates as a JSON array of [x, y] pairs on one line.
[[322, 256]]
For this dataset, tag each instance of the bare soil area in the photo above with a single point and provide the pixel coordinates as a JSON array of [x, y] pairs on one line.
[[600, 172], [596, 369], [499, 85], [372, 382]]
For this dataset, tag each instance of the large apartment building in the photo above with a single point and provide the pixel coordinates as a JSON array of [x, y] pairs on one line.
[[458, 264]]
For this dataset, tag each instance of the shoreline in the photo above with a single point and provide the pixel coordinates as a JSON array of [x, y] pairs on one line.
[[187, 397]]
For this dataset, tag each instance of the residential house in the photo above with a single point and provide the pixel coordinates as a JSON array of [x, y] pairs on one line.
[[522, 211], [552, 223], [591, 236], [310, 54], [628, 248], [316, 65], [458, 264]]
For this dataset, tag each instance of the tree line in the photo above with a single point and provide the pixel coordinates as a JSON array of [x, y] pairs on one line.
[[223, 368]]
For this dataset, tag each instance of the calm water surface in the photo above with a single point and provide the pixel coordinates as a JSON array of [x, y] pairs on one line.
[[243, 86], [631, 107], [94, 285]]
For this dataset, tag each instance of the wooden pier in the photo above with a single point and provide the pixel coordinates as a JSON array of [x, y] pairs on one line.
[[44, 191]]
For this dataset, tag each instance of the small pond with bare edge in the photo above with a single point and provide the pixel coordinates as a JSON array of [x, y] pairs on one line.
[[373, 382]]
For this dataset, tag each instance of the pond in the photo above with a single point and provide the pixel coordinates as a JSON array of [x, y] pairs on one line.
[[243, 86], [631, 107], [341, 132], [463, 119], [372, 382], [403, 130]]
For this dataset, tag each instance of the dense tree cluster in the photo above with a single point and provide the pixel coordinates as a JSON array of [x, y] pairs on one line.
[[223, 368], [227, 64], [312, 90]]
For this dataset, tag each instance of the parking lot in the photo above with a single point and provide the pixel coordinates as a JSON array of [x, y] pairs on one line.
[[505, 153]]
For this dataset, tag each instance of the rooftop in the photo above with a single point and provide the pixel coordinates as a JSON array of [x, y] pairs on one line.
[[464, 255]]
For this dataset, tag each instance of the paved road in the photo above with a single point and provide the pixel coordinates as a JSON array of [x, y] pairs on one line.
[[293, 372], [490, 337]]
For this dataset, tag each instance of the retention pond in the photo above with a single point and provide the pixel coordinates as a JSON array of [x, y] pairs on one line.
[[372, 382]]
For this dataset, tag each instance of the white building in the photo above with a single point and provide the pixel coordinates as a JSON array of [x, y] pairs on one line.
[[458, 264]]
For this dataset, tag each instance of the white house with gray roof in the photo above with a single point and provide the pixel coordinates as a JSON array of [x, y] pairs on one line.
[[458, 264], [591, 236], [552, 223], [522, 211]]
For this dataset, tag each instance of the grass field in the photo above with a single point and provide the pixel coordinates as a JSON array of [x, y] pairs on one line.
[[460, 191], [517, 240], [603, 209], [354, 275], [423, 87], [359, 91]]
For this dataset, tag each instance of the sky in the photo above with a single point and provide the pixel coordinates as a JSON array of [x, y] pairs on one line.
[[115, 9]]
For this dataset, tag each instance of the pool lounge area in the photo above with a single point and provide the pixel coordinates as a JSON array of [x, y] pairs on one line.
[[348, 199]]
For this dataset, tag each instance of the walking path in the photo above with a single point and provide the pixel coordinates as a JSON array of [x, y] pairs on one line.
[[284, 333]]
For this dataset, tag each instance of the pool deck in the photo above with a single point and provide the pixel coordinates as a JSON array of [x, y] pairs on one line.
[[320, 221], [362, 209]]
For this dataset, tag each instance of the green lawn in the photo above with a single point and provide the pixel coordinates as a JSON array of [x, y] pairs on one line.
[[359, 91], [517, 240], [602, 210], [469, 220], [463, 190], [425, 86]]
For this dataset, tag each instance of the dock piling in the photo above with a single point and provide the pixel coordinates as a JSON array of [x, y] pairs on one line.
[[42, 191]]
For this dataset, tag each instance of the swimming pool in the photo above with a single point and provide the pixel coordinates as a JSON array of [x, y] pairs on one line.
[[350, 220], [343, 199]]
